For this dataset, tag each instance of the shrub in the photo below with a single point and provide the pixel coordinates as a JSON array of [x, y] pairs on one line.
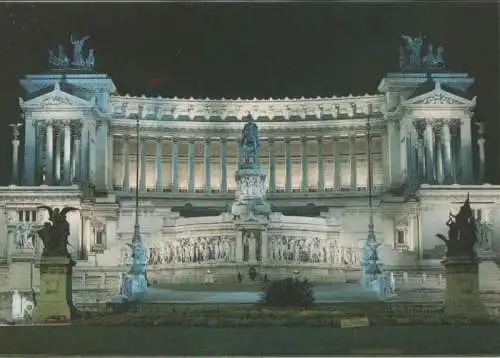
[[290, 292]]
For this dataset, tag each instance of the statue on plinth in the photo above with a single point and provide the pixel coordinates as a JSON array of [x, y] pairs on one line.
[[250, 143], [56, 267], [54, 234], [462, 233]]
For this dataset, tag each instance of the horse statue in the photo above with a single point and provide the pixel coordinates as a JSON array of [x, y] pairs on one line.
[[250, 143]]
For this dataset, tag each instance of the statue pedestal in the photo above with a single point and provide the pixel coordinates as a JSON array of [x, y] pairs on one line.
[[462, 288], [55, 287]]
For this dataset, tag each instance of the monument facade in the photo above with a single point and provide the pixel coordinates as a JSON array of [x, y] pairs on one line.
[[288, 194]]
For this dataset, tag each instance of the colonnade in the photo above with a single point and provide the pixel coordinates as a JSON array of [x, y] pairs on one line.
[[57, 157], [173, 157], [440, 151]]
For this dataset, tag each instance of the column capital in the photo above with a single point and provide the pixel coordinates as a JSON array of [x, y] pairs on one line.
[[288, 140], [207, 140], [223, 140], [304, 139], [319, 139]]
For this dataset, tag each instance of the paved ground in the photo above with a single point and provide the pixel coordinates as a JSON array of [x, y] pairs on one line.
[[409, 340]]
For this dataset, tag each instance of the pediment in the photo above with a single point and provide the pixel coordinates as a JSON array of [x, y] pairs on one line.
[[439, 96], [56, 98]]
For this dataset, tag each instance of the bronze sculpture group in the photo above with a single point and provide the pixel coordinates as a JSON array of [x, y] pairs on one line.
[[462, 233]]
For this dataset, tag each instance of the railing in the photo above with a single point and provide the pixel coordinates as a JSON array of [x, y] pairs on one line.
[[279, 189]]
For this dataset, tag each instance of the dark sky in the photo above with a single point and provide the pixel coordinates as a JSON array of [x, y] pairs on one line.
[[244, 50]]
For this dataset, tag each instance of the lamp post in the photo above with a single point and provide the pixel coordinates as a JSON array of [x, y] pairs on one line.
[[137, 230], [370, 266]]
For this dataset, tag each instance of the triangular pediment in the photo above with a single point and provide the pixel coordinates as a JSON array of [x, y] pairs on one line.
[[439, 96], [56, 98]]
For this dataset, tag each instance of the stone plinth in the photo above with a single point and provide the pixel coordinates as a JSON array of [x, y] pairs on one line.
[[462, 288], [55, 286]]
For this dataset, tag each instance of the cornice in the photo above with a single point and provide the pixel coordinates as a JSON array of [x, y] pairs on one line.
[[223, 109]]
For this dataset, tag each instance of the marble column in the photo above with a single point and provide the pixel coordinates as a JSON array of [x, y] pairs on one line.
[[15, 161], [15, 153], [321, 164], [75, 159], [49, 159], [57, 169], [288, 165], [142, 175], [421, 160], [126, 164], [429, 151], [87, 239], [482, 160], [174, 165], [31, 162], [159, 164], [446, 137], [466, 150], [223, 165], [239, 246], [272, 166], [67, 153], [352, 155], [264, 251], [238, 154], [191, 166], [207, 165], [413, 169], [336, 164], [304, 164]]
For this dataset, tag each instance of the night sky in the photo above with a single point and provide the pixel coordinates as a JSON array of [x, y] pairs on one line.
[[247, 51]]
